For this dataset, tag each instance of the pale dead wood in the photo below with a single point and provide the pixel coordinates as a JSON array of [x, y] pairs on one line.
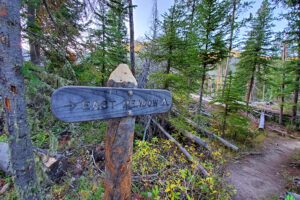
[[252, 153], [183, 150], [147, 126], [192, 137], [145, 176], [122, 74], [4, 188], [225, 142], [262, 120]]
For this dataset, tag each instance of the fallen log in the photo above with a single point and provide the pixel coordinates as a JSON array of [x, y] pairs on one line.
[[192, 137], [252, 153], [295, 164], [184, 151], [262, 120], [195, 139], [225, 142]]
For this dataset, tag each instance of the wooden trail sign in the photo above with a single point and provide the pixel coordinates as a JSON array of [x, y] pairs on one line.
[[119, 105], [80, 103]]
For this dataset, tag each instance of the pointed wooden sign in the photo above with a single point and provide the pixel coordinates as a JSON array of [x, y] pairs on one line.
[[81, 103]]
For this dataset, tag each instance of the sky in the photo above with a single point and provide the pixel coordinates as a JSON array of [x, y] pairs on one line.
[[143, 15]]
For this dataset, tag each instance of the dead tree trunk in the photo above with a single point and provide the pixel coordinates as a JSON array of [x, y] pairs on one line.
[[183, 150], [131, 28], [230, 43], [296, 93], [34, 44], [250, 88], [262, 120], [202, 89], [142, 79], [210, 134], [12, 84], [119, 143], [282, 86]]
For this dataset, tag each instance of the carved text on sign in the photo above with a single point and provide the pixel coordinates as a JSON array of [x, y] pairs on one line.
[[78, 103]]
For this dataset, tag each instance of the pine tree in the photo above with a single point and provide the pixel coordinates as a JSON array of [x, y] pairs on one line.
[[169, 44], [230, 99], [293, 33], [107, 41], [254, 60], [237, 7], [211, 15]]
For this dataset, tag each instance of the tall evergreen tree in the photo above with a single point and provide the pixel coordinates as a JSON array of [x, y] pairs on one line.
[[211, 15], [237, 7], [254, 60], [107, 41], [293, 32], [169, 44]]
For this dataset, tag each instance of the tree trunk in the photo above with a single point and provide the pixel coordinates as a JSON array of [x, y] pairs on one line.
[[226, 110], [131, 28], [296, 93], [166, 86], [34, 45], [12, 83], [250, 89], [202, 88], [103, 50], [230, 43], [264, 90], [296, 90], [252, 94], [282, 86]]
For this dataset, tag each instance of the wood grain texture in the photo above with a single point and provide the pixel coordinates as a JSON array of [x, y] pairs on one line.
[[119, 146], [81, 103]]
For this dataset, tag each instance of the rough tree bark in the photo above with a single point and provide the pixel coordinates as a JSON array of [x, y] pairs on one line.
[[12, 83], [131, 28], [250, 87], [296, 90], [282, 86], [296, 94], [201, 90], [119, 143], [230, 43], [34, 45]]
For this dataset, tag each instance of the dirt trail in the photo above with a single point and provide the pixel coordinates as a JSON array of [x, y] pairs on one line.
[[260, 177]]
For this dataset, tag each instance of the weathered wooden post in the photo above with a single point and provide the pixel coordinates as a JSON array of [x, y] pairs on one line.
[[121, 100], [119, 142]]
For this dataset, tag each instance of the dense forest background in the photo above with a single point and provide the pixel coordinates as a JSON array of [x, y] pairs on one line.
[[219, 81]]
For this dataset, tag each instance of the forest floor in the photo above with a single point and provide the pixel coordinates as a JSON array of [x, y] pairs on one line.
[[266, 176]]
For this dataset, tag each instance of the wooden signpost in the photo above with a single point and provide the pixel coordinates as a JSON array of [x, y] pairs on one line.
[[118, 105]]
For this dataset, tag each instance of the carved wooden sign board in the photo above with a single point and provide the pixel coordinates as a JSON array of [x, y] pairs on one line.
[[81, 103]]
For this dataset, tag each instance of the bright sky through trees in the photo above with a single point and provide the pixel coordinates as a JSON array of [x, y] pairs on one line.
[[142, 15]]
